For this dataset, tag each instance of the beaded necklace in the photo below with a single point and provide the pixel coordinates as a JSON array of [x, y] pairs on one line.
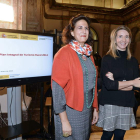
[[86, 70]]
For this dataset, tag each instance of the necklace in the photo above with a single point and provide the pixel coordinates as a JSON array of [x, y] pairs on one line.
[[86, 70]]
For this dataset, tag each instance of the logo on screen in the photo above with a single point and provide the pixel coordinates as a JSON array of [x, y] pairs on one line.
[[3, 36]]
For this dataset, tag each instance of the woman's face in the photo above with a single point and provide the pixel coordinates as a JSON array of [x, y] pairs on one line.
[[122, 40], [81, 32]]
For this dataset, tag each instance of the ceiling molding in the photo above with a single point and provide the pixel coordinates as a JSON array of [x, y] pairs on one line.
[[88, 9], [104, 15], [134, 19], [131, 7]]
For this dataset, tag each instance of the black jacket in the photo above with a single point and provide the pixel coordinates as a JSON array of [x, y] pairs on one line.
[[122, 69]]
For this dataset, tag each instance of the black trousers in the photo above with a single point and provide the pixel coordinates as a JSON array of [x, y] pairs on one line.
[[118, 134]]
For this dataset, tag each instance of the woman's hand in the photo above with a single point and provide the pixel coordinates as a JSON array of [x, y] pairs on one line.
[[136, 82], [66, 127], [95, 116], [110, 76]]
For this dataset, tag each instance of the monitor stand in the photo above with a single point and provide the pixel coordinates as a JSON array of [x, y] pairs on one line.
[[14, 107], [16, 128]]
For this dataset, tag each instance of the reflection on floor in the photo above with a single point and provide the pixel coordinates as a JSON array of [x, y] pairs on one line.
[[133, 134]]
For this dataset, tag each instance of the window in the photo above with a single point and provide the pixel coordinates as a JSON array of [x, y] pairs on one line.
[[96, 41], [6, 13]]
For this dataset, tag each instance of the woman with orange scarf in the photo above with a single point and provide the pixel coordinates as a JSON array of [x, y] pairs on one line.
[[74, 83]]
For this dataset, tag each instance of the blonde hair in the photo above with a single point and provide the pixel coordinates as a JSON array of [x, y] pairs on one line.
[[113, 46]]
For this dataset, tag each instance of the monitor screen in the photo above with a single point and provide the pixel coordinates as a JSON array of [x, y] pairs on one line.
[[25, 57]]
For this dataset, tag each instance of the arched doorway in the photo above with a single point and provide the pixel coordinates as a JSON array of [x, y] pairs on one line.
[[96, 41]]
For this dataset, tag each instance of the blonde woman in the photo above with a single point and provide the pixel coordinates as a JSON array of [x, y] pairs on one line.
[[119, 74]]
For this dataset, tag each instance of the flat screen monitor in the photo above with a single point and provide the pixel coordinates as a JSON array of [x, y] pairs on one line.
[[25, 57]]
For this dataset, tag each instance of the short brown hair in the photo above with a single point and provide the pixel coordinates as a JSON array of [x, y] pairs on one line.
[[66, 34]]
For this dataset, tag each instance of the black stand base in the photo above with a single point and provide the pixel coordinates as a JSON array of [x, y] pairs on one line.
[[38, 135], [24, 128], [16, 130]]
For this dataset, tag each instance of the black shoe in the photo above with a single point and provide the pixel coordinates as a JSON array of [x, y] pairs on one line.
[[135, 127]]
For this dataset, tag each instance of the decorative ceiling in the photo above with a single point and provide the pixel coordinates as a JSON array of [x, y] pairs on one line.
[[116, 4], [127, 14], [133, 4]]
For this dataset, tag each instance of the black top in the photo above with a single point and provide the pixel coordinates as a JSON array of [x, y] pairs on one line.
[[122, 69]]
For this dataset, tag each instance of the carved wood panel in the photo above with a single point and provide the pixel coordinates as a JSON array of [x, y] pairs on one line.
[[34, 15], [106, 39]]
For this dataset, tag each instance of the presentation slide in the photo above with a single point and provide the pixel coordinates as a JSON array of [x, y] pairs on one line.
[[24, 55]]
